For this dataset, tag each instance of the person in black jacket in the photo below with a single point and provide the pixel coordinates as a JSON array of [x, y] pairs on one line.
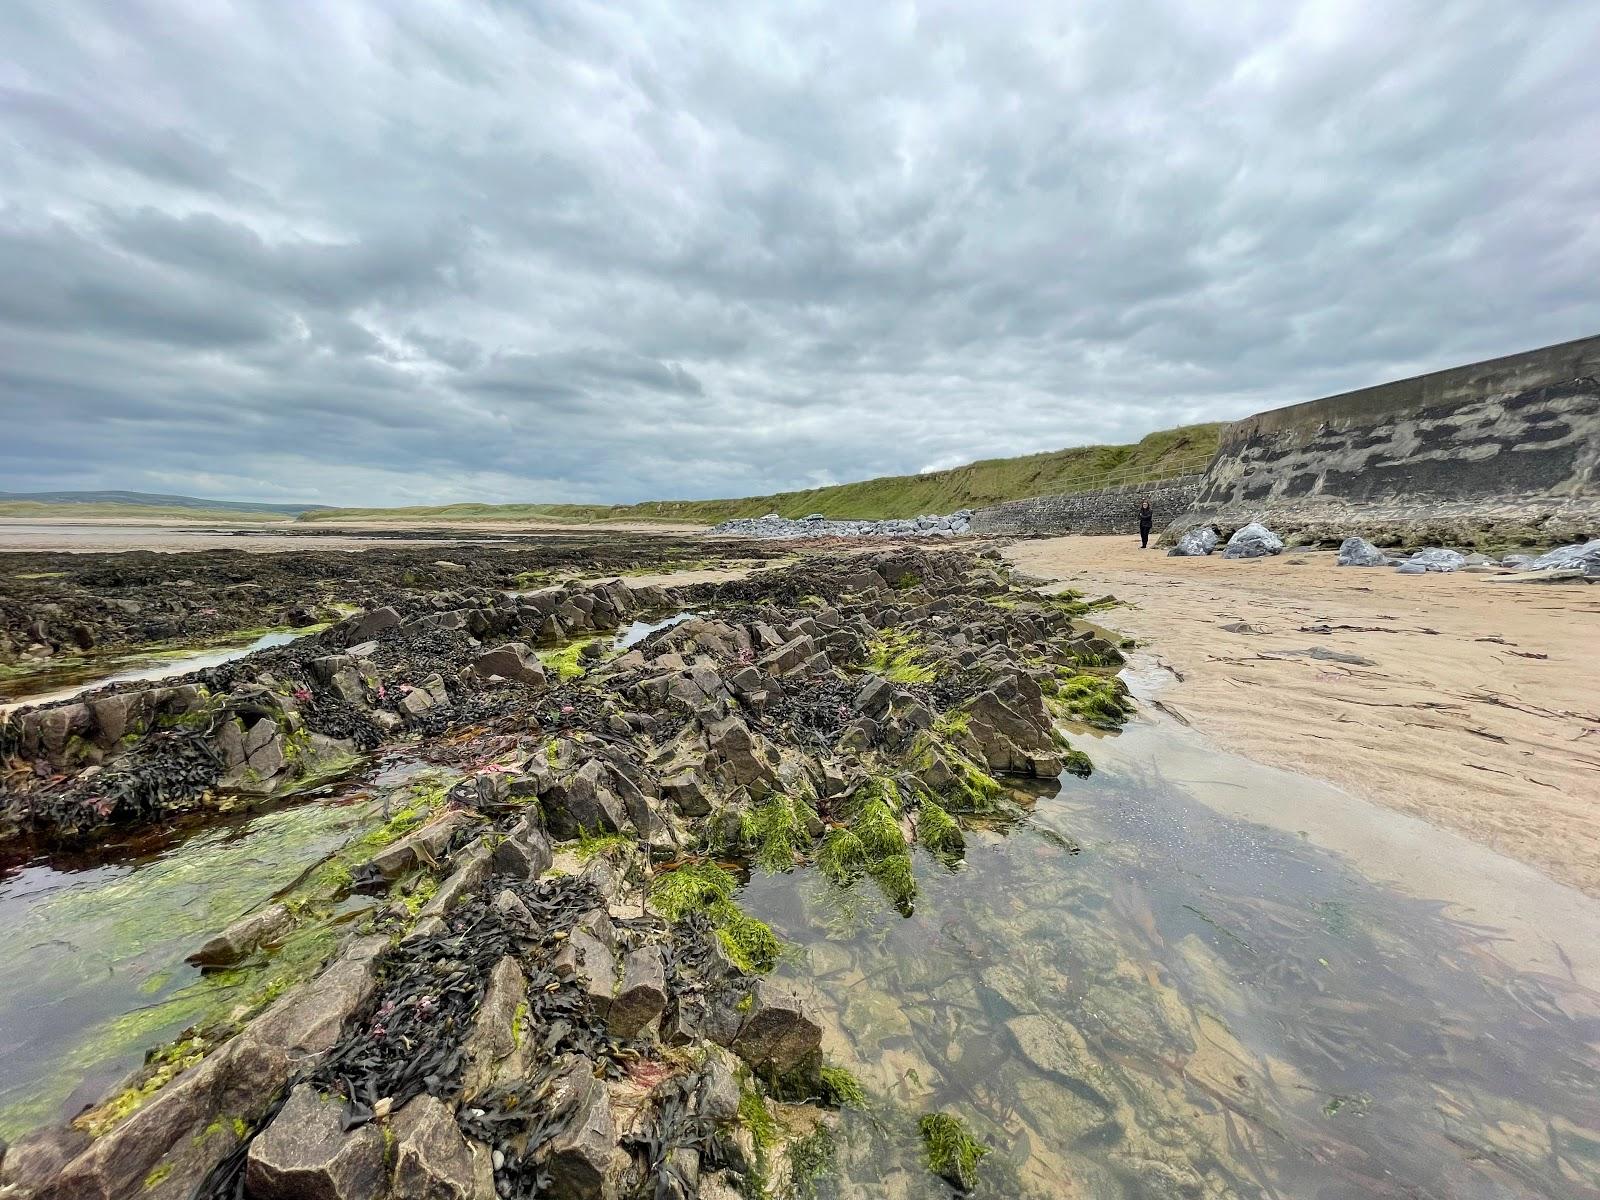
[[1147, 518]]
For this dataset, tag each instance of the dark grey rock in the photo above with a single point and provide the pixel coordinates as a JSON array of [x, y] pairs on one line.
[[1196, 543], [643, 995], [1358, 552], [495, 1049], [515, 661], [717, 1098], [365, 626], [585, 1159], [1254, 540], [431, 1159], [590, 960], [240, 939], [305, 1154], [778, 1032], [584, 802], [525, 852], [689, 792]]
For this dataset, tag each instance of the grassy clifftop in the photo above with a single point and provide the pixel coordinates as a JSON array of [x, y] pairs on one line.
[[991, 481]]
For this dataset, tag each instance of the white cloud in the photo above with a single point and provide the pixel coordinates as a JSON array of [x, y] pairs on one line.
[[395, 254]]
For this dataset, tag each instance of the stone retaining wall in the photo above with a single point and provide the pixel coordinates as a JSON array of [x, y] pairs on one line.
[[1112, 510]]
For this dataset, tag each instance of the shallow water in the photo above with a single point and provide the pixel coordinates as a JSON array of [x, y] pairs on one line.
[[1134, 995], [92, 947], [74, 676], [637, 631]]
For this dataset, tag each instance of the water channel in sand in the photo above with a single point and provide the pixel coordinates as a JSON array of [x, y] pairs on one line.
[[1133, 994]]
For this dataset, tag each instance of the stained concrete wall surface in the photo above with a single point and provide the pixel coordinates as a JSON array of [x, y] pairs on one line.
[[1499, 452], [1114, 510], [1525, 425]]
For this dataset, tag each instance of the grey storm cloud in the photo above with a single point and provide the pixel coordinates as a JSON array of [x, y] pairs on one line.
[[389, 253]]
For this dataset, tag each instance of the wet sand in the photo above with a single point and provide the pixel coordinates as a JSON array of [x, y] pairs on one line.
[[1472, 706]]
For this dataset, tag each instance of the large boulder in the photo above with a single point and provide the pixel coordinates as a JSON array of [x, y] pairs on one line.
[[256, 756], [1437, 558], [306, 1154], [1584, 556], [515, 661], [718, 1093], [1196, 543], [747, 756], [1255, 540], [1358, 552], [584, 802], [589, 958], [495, 1049], [525, 851], [365, 626], [788, 656], [688, 791]]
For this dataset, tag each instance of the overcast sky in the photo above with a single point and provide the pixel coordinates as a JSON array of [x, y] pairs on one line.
[[392, 252]]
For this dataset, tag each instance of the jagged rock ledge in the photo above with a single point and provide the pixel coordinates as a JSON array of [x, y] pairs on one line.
[[561, 996]]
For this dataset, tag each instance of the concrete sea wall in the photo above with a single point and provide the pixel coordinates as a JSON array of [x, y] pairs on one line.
[[1496, 451], [1523, 425], [1502, 451]]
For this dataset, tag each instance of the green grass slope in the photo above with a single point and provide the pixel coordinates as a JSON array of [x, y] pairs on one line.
[[1084, 468]]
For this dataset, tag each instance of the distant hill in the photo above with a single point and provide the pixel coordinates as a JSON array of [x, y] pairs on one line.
[[155, 500], [1083, 468]]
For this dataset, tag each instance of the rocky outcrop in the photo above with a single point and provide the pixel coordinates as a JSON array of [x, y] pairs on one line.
[[287, 719], [561, 985]]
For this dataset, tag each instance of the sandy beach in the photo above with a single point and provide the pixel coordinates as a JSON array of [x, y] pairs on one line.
[[1469, 704]]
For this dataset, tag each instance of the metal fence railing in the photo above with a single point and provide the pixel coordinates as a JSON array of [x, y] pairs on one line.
[[1130, 476]]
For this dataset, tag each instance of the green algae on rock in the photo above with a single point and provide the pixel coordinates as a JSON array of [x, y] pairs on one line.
[[953, 1153]]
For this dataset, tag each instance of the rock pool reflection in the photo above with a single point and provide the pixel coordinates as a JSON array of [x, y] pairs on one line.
[[1189, 1005], [54, 681], [93, 945]]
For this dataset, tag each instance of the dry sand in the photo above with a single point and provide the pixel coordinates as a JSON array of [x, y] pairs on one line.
[[1477, 708]]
